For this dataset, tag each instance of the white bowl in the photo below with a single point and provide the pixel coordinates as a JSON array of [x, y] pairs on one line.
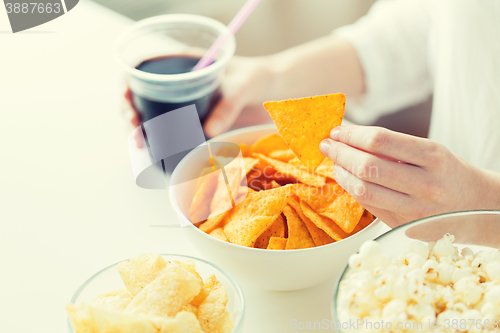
[[266, 269]]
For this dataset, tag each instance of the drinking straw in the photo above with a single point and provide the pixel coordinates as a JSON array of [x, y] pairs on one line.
[[233, 27]]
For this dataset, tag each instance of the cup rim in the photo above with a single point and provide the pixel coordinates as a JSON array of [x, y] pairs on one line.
[[218, 268], [421, 220], [174, 202], [217, 65]]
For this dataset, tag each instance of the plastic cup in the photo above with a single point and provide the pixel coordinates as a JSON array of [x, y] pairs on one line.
[[174, 36]]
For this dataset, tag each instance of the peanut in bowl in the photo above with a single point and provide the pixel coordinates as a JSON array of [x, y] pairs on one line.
[[290, 269]]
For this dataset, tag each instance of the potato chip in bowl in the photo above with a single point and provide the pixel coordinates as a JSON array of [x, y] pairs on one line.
[[154, 293]]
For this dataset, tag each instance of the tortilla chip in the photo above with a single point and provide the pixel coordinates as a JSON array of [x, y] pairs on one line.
[[304, 123], [282, 155], [254, 215], [363, 223], [277, 243], [205, 189], [116, 300], [225, 194], [219, 233], [319, 236], [326, 168], [333, 202], [166, 295], [212, 313], [184, 322], [289, 170], [277, 229], [275, 184], [268, 144], [298, 235], [325, 224], [141, 270], [249, 163]]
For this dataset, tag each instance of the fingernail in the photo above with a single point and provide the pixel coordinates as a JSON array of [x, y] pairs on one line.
[[324, 146], [334, 134]]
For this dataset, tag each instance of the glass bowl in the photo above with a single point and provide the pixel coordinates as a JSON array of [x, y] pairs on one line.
[[477, 230], [109, 279]]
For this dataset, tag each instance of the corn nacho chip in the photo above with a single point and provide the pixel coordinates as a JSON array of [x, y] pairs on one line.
[[219, 233], [333, 202], [298, 235], [282, 155], [166, 295], [116, 300], [212, 313], [292, 171], [277, 243], [319, 236], [139, 271], [275, 184], [325, 224], [205, 189], [228, 185], [184, 322], [268, 144], [250, 162], [277, 229], [326, 168], [304, 123], [257, 212]]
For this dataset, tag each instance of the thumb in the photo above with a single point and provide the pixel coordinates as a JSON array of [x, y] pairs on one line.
[[222, 117]]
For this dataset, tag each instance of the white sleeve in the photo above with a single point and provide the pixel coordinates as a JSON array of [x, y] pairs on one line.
[[392, 45]]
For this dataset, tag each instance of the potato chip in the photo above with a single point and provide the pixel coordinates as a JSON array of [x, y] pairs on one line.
[[319, 236], [191, 308], [204, 192], [80, 319], [298, 235], [256, 213], [333, 202], [325, 224], [219, 233], [190, 266], [277, 229], [116, 300], [277, 243], [110, 322], [283, 155], [304, 123], [289, 170], [139, 271], [166, 295], [268, 144], [212, 313], [184, 322], [88, 319]]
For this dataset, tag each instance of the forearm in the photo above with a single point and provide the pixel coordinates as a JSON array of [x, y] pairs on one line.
[[325, 65], [490, 194]]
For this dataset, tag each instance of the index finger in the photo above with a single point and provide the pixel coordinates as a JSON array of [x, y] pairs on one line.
[[381, 141]]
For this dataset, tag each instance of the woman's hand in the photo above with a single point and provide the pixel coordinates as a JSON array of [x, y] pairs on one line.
[[400, 178]]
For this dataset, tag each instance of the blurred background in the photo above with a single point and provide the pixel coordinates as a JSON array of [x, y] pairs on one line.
[[276, 25]]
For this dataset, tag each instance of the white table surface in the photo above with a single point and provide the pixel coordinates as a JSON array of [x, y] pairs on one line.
[[68, 202]]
